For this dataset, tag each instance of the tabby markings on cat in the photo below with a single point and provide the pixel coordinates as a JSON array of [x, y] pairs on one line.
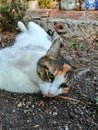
[[34, 64]]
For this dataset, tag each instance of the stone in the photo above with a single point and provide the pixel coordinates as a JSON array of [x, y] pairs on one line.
[[33, 4], [68, 4]]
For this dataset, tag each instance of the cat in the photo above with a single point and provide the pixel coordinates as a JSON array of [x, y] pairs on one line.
[[34, 64]]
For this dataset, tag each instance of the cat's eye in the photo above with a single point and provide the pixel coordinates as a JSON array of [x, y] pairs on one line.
[[50, 76], [63, 85]]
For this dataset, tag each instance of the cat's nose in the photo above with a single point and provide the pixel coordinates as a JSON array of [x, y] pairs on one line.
[[50, 94]]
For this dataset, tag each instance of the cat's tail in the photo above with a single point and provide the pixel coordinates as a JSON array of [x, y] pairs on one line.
[[21, 26]]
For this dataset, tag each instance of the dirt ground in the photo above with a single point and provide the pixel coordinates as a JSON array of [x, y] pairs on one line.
[[73, 111]]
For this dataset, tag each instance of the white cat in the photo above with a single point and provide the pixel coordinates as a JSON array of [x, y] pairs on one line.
[[33, 64]]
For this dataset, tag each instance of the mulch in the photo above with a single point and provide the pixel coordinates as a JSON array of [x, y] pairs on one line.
[[77, 110]]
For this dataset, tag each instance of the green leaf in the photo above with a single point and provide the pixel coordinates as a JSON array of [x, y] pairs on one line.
[[80, 45], [96, 100], [71, 44]]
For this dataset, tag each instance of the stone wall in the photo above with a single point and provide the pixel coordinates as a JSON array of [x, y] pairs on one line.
[[55, 13], [78, 26]]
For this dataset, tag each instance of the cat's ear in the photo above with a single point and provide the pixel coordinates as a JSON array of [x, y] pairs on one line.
[[54, 50], [77, 72]]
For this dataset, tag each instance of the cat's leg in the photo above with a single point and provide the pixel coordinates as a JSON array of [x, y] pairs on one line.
[[21, 26]]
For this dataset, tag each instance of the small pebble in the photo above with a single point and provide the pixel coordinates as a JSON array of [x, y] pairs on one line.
[[55, 113]]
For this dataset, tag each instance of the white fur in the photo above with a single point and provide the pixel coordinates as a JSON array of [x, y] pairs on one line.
[[21, 26], [18, 63]]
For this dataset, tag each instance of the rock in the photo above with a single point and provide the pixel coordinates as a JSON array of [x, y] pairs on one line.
[[68, 4], [33, 4]]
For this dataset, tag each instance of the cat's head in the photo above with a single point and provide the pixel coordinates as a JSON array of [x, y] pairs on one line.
[[56, 72]]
